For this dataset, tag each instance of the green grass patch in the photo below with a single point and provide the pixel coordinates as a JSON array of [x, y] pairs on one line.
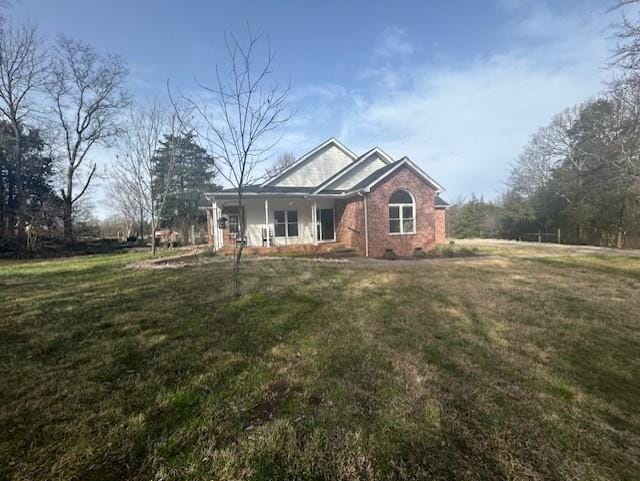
[[514, 367]]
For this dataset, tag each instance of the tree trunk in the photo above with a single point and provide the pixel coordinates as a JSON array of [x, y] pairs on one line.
[[9, 220], [620, 233], [67, 198], [141, 225], [238, 254], [153, 231], [21, 198], [67, 220]]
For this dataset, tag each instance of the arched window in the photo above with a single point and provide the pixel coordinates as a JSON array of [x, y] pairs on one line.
[[402, 213]]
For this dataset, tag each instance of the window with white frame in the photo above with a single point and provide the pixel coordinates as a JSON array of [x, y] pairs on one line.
[[285, 223], [402, 213], [234, 222]]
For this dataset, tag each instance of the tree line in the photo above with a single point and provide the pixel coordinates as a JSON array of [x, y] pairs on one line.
[[580, 173], [58, 101], [61, 101]]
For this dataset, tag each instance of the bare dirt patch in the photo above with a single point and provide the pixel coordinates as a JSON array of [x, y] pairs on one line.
[[276, 394], [192, 256]]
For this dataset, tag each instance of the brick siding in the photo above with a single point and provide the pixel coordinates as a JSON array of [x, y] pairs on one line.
[[350, 222], [441, 230], [429, 222]]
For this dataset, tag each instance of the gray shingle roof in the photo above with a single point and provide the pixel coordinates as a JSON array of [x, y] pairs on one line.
[[368, 180], [440, 202]]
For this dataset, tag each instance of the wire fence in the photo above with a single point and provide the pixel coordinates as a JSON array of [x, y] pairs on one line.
[[551, 237]]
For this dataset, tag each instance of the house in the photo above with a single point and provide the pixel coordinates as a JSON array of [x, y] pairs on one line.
[[369, 202]]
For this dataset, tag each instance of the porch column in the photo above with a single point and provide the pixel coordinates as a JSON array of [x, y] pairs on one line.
[[266, 221], [216, 242], [314, 222]]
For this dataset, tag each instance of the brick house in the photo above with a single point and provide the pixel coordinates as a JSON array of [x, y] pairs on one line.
[[370, 202]]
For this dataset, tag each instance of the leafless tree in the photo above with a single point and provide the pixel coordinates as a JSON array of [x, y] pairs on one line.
[[624, 132], [627, 53], [88, 96], [238, 128], [126, 200], [22, 73], [283, 161], [138, 168], [547, 148]]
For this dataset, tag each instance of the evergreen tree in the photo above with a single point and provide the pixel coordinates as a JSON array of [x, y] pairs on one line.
[[192, 175], [41, 205]]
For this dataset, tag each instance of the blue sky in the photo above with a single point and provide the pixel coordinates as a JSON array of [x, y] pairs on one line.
[[456, 86]]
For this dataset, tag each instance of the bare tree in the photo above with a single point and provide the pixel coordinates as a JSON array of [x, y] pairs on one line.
[[138, 168], [22, 73], [88, 97], [283, 161], [627, 53], [549, 147], [126, 200], [239, 128], [624, 132]]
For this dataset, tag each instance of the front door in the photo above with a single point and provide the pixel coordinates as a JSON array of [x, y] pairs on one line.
[[325, 227]]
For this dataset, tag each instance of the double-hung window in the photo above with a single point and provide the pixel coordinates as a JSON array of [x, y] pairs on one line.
[[234, 221], [285, 223]]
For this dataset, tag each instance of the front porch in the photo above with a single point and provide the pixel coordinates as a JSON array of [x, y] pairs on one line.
[[275, 224]]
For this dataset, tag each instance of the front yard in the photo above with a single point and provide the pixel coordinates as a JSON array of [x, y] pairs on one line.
[[515, 366]]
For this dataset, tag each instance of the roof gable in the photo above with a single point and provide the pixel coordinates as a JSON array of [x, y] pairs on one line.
[[315, 167], [378, 176], [365, 165]]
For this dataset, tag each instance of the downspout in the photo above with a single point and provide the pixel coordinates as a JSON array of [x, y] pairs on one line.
[[366, 226]]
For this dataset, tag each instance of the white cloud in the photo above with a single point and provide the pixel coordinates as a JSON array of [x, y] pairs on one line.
[[392, 42], [465, 124], [325, 91]]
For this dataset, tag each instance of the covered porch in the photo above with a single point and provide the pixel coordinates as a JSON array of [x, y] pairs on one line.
[[274, 222]]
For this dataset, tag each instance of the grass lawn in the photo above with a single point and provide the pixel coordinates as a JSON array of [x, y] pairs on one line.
[[515, 366]]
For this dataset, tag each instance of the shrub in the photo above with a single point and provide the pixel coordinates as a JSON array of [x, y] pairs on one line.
[[418, 253], [389, 255]]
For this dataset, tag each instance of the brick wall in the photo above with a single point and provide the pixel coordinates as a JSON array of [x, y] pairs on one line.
[[350, 222], [441, 232], [227, 238], [378, 218]]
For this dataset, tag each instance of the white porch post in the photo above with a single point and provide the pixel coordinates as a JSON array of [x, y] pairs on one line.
[[266, 221], [314, 222], [216, 242]]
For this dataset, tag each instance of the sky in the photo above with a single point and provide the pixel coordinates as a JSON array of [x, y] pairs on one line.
[[457, 86]]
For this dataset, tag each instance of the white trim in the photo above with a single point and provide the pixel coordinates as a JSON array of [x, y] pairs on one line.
[[266, 220], [366, 227], [417, 170], [314, 222], [214, 219], [234, 195], [318, 223], [302, 159], [401, 213], [286, 223], [367, 155]]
